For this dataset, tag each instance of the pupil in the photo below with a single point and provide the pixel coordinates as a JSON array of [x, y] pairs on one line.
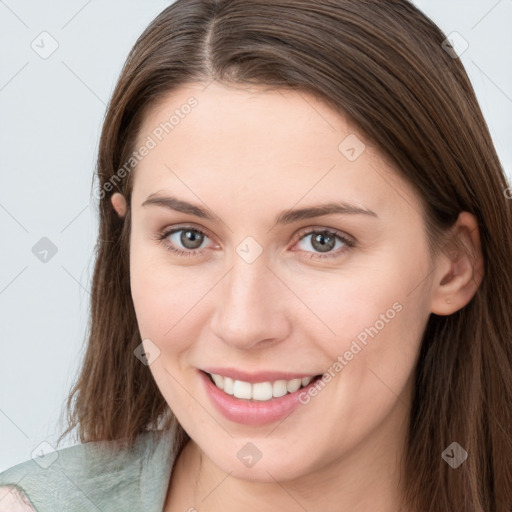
[[190, 236], [325, 242]]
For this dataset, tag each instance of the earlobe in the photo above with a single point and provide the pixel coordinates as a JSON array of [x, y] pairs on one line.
[[460, 268], [119, 203]]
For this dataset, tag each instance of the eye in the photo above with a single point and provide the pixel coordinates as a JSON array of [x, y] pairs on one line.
[[324, 241], [187, 241], [187, 237]]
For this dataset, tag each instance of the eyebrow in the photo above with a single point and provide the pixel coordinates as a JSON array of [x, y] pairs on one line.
[[285, 217]]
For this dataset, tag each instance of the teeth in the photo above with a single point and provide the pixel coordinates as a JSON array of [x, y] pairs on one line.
[[293, 385], [228, 385], [305, 380], [242, 389], [219, 380], [279, 388], [261, 391]]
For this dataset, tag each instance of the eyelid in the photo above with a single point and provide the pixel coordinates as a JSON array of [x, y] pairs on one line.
[[318, 229], [162, 234], [347, 239]]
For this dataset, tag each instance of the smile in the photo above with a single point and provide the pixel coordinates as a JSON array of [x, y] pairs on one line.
[[261, 391], [259, 402]]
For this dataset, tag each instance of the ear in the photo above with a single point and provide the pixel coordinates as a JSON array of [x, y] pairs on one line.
[[119, 203], [460, 267]]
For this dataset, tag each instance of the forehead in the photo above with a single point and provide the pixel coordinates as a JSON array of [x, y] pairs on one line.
[[255, 144]]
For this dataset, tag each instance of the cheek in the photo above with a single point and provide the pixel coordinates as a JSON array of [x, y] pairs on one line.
[[371, 294], [158, 292], [362, 302], [167, 297], [376, 320], [160, 300]]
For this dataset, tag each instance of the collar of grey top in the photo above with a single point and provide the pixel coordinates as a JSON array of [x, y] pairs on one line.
[[97, 476]]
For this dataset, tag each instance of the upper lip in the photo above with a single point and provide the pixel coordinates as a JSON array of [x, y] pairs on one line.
[[263, 376]]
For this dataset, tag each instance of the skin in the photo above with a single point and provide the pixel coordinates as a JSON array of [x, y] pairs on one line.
[[246, 155], [14, 500]]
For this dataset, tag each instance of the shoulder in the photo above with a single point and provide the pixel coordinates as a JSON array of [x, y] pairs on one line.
[[91, 475]]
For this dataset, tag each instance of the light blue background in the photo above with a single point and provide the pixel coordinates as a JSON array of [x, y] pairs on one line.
[[51, 112]]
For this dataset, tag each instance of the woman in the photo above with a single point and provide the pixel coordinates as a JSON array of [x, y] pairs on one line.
[[302, 293]]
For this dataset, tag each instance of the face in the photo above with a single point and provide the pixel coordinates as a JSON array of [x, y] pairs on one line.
[[253, 292]]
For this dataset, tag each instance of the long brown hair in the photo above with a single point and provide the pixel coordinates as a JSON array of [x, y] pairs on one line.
[[385, 67]]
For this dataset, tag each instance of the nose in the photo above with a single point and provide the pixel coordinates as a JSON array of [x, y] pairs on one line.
[[251, 307]]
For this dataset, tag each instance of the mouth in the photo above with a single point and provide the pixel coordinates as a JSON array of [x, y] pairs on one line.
[[259, 402], [259, 391]]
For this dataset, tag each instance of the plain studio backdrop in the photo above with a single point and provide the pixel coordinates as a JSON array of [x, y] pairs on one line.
[[59, 64]]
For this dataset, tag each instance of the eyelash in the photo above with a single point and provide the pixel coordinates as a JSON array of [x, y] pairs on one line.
[[162, 235]]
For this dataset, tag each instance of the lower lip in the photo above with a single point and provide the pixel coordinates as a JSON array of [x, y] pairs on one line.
[[252, 412]]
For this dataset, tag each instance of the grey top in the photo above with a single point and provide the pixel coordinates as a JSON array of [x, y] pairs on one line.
[[95, 477]]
